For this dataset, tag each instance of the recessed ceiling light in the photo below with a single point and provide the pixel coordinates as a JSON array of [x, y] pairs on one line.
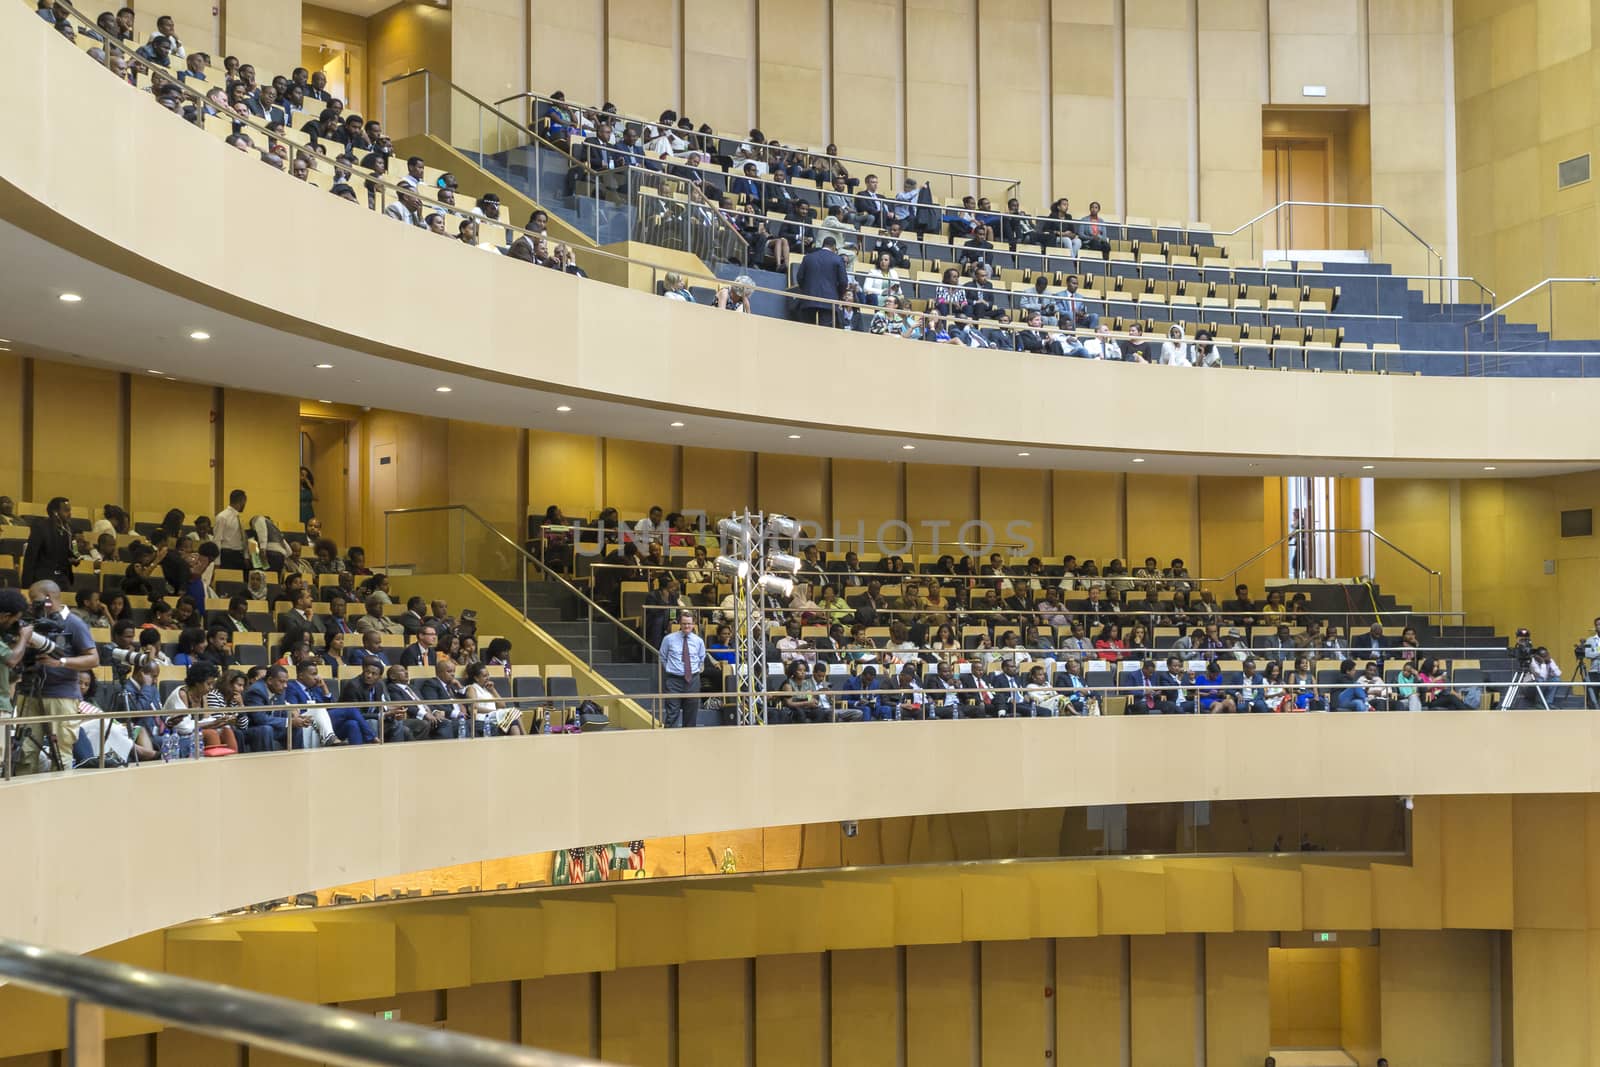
[[909, 448], [1138, 459], [1368, 466], [1488, 468], [152, 370], [563, 407], [70, 298], [199, 335], [442, 389], [324, 401], [794, 437], [1024, 455], [676, 425], [324, 366]]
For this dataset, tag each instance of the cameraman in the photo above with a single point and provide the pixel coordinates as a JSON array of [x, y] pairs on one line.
[[56, 679], [1590, 651], [13, 643]]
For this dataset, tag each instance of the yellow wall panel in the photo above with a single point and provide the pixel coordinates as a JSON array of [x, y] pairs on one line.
[[566, 49], [792, 485], [1091, 983], [1161, 518], [927, 908], [1013, 93], [713, 1025], [867, 493], [997, 906], [1360, 1004], [1083, 111], [507, 943], [1475, 849], [488, 56], [1266, 898], [1164, 987], [866, 65], [1336, 898], [940, 1026], [1237, 1005], [1069, 904], [792, 49], [1317, 44], [1436, 998], [61, 396], [1132, 901], [1088, 514], [401, 39], [11, 375], [641, 64], [939, 499], [564, 469], [579, 935], [1231, 516], [719, 38], [170, 447], [939, 94], [1014, 504], [1015, 974], [1158, 106], [1304, 991], [790, 1012], [559, 1013], [1415, 515], [718, 481], [636, 1016], [650, 929], [265, 31], [261, 452], [1409, 897], [489, 1010], [866, 1015], [639, 476], [1231, 95], [1199, 899]]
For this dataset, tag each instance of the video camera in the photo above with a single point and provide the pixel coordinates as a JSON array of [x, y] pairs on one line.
[[1523, 650]]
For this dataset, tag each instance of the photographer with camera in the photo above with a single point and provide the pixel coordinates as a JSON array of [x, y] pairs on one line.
[[58, 648], [1588, 654], [13, 643]]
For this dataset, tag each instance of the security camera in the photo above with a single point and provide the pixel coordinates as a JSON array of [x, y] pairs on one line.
[[849, 827]]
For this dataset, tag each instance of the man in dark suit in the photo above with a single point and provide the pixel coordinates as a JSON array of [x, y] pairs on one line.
[[1146, 698], [421, 722], [369, 691], [51, 546], [299, 620], [425, 651], [1009, 698], [269, 693], [822, 277], [862, 692], [1370, 645], [1176, 688], [410, 620]]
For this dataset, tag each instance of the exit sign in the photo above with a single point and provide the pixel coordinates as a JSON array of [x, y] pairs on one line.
[[1324, 938], [392, 1015]]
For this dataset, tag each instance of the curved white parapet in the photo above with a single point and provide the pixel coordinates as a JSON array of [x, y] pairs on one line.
[[102, 171], [98, 857]]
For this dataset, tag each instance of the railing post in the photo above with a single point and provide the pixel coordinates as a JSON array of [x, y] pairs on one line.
[[427, 105], [86, 1035]]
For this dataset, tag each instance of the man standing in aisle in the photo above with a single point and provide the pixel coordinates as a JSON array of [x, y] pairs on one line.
[[1591, 656], [229, 528], [683, 654]]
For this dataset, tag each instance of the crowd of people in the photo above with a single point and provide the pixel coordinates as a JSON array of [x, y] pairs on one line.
[[413, 671]]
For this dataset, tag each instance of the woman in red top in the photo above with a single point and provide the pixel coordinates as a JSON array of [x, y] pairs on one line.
[[1109, 644]]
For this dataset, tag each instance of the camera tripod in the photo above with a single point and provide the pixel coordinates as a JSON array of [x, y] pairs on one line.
[[1520, 678]]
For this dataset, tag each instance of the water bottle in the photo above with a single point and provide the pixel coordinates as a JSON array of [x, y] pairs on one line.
[[169, 747], [197, 743], [546, 718]]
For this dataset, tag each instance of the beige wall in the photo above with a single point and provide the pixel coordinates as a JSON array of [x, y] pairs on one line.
[[263, 32], [678, 782]]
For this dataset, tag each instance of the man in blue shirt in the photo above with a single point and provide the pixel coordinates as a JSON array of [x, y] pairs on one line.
[[59, 692], [345, 726], [862, 693], [269, 692], [683, 656]]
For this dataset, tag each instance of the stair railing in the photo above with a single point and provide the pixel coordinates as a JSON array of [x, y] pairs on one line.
[[1497, 315], [1434, 578], [526, 562]]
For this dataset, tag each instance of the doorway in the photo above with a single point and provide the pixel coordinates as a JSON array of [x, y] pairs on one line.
[[325, 451], [1297, 170], [344, 63], [1321, 155], [1325, 1004]]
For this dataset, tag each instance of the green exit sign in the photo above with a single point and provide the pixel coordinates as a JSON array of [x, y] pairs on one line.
[[1324, 938], [389, 1016]]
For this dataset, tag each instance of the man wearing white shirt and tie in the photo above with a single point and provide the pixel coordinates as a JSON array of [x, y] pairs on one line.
[[229, 527], [683, 654]]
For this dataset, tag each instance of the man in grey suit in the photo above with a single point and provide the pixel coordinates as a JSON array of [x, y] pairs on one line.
[[822, 275]]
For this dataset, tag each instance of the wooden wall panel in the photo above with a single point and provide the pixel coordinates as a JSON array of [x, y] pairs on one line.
[[1013, 95], [564, 469], [792, 485], [642, 59], [636, 1016], [718, 481], [790, 1012], [1083, 106], [867, 50], [866, 1015], [170, 447], [1091, 983], [792, 45], [1015, 974], [940, 84], [719, 40], [1318, 44], [1237, 1006], [1165, 994], [940, 494], [566, 49], [1162, 518], [260, 446], [1158, 63], [1232, 47], [867, 492], [713, 1025], [1437, 1007], [639, 476], [1014, 504], [940, 1022]]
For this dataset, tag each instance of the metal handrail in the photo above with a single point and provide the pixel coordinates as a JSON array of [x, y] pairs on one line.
[[527, 557], [1548, 284], [1433, 574], [322, 1034], [1010, 183]]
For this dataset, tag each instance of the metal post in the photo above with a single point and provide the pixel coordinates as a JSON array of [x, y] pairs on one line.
[[86, 1035], [427, 105]]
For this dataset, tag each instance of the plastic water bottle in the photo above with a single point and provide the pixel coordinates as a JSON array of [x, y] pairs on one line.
[[169, 747]]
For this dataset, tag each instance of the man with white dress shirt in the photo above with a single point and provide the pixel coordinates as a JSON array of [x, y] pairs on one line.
[[649, 529], [683, 656], [229, 526]]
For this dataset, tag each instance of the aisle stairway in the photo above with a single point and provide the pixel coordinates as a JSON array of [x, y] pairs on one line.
[[560, 613]]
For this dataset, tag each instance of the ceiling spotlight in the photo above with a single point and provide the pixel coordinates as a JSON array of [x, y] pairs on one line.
[[1024, 455], [442, 389], [1138, 459], [1369, 466], [794, 437], [1488, 468], [324, 401], [676, 425], [199, 335], [324, 366], [909, 448], [729, 567], [563, 408], [70, 298], [773, 585], [152, 370], [736, 530], [783, 563], [782, 526]]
